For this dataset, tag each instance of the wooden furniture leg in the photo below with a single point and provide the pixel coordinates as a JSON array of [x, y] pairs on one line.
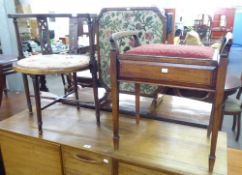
[[238, 126], [76, 90], [4, 86], [221, 122], [137, 102], [115, 99], [95, 90], [115, 114], [43, 86], [1, 86], [210, 124], [234, 123], [35, 79], [26, 89], [218, 104]]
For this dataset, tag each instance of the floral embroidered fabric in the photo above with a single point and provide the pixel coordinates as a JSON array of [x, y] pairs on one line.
[[150, 27]]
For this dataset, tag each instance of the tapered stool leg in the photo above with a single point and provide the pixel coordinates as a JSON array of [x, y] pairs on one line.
[[210, 124], [76, 90], [26, 89], [35, 79], [238, 126]]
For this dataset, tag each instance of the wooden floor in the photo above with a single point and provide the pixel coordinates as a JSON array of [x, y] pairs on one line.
[[12, 104], [234, 162], [169, 108], [172, 109]]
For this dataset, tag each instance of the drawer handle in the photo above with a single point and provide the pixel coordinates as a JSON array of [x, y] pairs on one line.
[[89, 160]]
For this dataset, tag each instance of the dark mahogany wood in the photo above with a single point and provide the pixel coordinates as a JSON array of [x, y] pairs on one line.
[[35, 79]]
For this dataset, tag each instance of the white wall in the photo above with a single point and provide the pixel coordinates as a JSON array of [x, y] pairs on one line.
[[8, 41], [237, 30], [189, 9], [94, 6]]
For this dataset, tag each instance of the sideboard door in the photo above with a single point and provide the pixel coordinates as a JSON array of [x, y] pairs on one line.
[[29, 156]]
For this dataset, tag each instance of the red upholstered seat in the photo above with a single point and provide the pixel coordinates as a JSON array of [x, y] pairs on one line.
[[180, 51]]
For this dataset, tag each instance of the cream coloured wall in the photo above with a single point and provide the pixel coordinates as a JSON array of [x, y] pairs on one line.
[[8, 41]]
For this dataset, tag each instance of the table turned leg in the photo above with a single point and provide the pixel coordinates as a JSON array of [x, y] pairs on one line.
[[35, 79], [27, 94], [76, 90], [137, 102]]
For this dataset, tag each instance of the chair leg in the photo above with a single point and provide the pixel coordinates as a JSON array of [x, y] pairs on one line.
[[4, 86], [234, 123], [221, 122], [43, 86], [76, 90], [64, 83], [1, 86], [137, 102], [238, 127], [26, 89], [95, 92], [35, 79], [210, 124]]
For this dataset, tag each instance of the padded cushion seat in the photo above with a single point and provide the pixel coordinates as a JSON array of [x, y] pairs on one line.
[[178, 51], [232, 105], [52, 64]]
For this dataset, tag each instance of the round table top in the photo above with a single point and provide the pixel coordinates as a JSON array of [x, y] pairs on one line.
[[232, 83], [51, 64], [7, 59]]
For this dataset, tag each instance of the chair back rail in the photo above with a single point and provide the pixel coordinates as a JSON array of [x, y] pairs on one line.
[[43, 29], [43, 34]]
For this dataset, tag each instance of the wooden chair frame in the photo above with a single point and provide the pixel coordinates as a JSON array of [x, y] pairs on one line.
[[42, 21], [236, 115]]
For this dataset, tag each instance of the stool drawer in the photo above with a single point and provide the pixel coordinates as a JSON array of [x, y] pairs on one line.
[[158, 72], [78, 161]]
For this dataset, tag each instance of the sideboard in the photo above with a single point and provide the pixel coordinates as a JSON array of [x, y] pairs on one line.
[[72, 144]]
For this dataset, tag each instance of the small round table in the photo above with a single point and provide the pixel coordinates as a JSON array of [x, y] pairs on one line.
[[38, 65], [232, 84]]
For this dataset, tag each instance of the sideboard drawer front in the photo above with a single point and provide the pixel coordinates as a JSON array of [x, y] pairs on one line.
[[126, 169], [78, 161], [179, 73]]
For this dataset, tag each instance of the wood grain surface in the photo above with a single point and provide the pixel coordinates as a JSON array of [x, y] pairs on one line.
[[152, 145]]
